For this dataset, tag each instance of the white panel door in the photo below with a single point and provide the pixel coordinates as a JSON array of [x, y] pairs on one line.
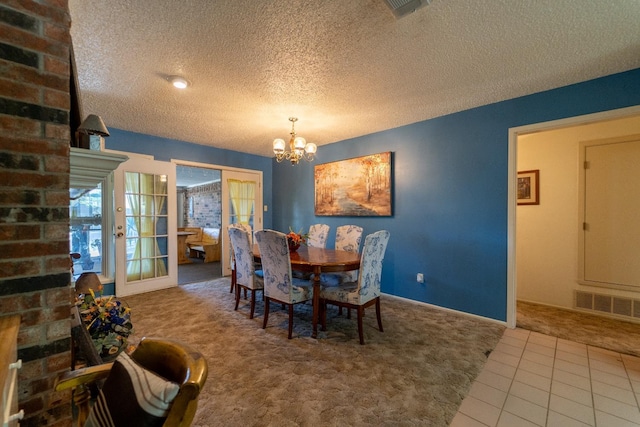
[[612, 215], [145, 226]]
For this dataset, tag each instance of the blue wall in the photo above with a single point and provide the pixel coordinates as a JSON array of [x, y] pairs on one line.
[[166, 149], [450, 193], [450, 189]]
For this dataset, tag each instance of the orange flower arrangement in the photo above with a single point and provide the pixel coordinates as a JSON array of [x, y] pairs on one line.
[[297, 238]]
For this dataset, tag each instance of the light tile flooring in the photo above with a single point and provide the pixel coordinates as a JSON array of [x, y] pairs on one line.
[[531, 379]]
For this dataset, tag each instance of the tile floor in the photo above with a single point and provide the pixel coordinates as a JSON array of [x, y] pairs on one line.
[[531, 379]]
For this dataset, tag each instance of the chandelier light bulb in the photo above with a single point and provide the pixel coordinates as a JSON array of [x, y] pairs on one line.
[[278, 146], [311, 148], [298, 146], [299, 143]]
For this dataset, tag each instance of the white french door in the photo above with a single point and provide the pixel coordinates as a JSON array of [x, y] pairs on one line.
[[145, 226], [242, 202]]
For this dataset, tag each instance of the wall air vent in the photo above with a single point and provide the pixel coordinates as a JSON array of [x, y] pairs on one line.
[[402, 8], [608, 305]]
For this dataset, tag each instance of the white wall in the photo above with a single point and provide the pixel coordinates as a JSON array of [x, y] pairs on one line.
[[547, 234]]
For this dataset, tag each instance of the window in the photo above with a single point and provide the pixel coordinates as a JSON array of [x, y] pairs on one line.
[[91, 211], [85, 229]]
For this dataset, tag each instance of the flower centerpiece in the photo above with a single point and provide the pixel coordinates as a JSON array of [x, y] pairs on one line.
[[107, 320], [296, 239]]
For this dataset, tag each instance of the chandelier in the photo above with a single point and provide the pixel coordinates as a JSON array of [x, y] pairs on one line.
[[298, 147]]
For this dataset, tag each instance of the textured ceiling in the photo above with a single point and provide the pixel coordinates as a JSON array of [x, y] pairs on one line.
[[344, 68]]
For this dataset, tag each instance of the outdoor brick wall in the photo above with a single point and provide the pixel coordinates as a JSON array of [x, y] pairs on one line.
[[34, 198]]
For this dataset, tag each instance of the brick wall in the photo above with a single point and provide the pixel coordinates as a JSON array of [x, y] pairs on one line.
[[34, 198], [203, 205]]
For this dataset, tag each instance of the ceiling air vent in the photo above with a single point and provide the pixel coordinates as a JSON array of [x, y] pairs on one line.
[[402, 8]]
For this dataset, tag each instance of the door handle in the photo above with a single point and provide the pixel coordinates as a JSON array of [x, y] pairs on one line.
[[119, 234]]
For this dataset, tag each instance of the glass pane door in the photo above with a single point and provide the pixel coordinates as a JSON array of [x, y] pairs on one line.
[[242, 203], [146, 255], [146, 232]]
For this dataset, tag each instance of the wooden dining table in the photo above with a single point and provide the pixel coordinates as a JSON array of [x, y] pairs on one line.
[[182, 246], [319, 260]]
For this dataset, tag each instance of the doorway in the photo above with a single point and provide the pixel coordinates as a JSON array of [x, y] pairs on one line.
[[199, 207], [203, 202], [554, 282]]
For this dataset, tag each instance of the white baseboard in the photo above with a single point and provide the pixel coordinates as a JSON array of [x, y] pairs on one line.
[[450, 310]]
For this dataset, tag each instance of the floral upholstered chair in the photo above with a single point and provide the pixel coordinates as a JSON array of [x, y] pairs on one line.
[[279, 285], [366, 290], [244, 267], [318, 234], [247, 228], [348, 239]]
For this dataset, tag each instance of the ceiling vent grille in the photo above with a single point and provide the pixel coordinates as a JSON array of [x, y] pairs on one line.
[[402, 8]]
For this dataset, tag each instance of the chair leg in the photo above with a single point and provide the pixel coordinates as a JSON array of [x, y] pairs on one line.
[[233, 279], [253, 303], [237, 296], [360, 333], [290, 320], [266, 312], [378, 314], [81, 398]]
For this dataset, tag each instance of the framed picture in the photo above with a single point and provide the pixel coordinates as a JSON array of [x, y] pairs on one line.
[[354, 187], [529, 187]]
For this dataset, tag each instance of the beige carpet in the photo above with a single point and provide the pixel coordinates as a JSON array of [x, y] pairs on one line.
[[415, 373], [598, 331]]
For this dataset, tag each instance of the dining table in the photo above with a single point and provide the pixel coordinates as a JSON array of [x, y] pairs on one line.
[[318, 260]]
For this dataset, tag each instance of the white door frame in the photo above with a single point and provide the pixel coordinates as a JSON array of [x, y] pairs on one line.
[[226, 210], [513, 177], [224, 249]]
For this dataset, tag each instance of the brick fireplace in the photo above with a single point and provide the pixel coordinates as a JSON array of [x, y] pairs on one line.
[[34, 198]]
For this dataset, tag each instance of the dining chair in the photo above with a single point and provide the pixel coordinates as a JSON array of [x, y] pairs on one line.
[[365, 291], [279, 284], [247, 228], [244, 267], [318, 234], [348, 238]]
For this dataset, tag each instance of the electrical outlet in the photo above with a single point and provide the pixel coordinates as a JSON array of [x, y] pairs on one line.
[[420, 278]]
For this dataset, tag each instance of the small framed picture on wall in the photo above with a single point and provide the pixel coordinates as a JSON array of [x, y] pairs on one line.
[[529, 187]]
